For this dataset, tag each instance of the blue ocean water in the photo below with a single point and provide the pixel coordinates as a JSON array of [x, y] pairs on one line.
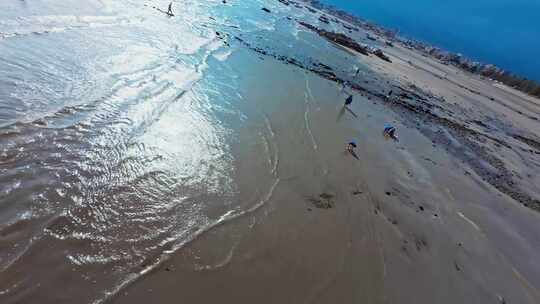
[[502, 32]]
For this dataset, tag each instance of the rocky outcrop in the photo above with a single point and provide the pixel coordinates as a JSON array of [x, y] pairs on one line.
[[381, 55], [323, 19], [337, 38]]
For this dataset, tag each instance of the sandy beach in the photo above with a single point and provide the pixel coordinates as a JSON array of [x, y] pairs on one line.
[[203, 159], [409, 222]]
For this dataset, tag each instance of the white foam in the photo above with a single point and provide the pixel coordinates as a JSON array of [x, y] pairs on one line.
[[222, 56], [228, 216]]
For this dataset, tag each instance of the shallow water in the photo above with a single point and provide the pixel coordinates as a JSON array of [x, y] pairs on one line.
[[126, 133]]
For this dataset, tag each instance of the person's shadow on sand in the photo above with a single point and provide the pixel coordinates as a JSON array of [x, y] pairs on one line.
[[162, 11], [343, 110], [351, 111], [351, 152]]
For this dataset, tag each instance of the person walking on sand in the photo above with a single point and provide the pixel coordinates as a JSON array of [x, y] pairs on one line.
[[344, 85], [350, 148], [390, 131], [357, 71], [348, 101], [169, 11], [388, 96]]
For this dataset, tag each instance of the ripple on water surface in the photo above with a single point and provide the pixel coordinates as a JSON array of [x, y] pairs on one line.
[[117, 127]]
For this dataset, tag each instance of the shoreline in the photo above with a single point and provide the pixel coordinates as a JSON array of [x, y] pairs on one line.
[[487, 70], [382, 232], [203, 158]]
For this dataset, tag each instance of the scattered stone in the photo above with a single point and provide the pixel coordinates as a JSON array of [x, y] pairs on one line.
[[457, 266], [377, 209], [421, 208], [338, 38], [350, 28], [40, 122], [388, 193], [370, 37], [381, 55], [323, 19]]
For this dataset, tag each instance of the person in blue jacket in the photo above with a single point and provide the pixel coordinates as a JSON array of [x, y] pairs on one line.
[[390, 131]]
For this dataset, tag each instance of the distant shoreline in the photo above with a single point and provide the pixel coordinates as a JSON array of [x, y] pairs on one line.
[[487, 70]]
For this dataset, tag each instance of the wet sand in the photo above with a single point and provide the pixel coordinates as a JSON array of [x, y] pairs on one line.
[[202, 159], [408, 222]]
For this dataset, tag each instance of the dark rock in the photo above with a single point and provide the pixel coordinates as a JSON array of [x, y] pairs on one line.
[[350, 28], [266, 10], [457, 266], [40, 122], [337, 38], [323, 19], [528, 141], [325, 195], [381, 55]]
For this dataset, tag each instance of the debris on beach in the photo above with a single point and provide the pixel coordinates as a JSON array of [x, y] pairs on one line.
[[323, 201], [379, 53], [323, 19], [338, 38]]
